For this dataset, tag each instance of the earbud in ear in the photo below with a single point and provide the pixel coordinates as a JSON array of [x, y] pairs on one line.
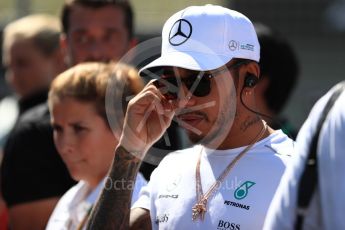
[[250, 80]]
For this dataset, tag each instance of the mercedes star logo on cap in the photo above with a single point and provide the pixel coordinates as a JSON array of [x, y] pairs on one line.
[[180, 32], [233, 45]]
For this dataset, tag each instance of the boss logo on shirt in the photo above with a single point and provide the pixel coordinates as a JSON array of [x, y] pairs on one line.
[[162, 218], [226, 225], [242, 191]]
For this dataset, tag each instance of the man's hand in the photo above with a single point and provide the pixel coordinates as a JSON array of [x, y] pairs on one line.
[[148, 116]]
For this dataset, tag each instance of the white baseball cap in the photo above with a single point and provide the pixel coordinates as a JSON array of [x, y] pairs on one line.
[[205, 38]]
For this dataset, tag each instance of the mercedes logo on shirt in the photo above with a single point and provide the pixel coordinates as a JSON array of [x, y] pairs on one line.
[[180, 32], [174, 183]]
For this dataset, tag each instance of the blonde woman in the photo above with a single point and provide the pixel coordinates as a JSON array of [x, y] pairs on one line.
[[83, 136]]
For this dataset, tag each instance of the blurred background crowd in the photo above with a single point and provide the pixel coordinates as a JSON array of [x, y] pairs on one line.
[[315, 29]]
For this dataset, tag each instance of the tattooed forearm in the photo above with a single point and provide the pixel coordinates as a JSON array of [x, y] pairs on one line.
[[113, 207]]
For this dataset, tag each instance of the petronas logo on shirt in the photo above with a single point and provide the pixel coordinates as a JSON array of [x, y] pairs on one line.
[[242, 191]]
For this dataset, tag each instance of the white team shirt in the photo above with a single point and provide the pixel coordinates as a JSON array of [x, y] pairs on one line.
[[327, 206], [75, 204], [240, 203]]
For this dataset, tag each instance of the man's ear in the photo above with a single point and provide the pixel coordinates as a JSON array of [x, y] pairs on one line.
[[64, 49], [63, 43], [132, 43], [59, 59], [254, 69]]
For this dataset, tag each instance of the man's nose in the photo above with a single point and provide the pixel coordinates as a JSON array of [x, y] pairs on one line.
[[97, 52], [185, 97]]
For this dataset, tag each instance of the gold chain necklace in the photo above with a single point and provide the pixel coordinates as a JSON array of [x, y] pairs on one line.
[[200, 208]]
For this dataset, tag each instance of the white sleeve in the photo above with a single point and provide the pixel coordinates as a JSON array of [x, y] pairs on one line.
[[331, 160], [140, 182], [144, 200], [281, 214]]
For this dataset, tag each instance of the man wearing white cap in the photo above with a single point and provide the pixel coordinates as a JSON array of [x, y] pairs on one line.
[[205, 80]]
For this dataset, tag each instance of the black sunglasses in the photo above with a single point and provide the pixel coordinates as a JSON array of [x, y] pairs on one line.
[[198, 83]]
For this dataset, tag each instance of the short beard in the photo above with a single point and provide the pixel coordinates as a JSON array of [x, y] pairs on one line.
[[220, 128]]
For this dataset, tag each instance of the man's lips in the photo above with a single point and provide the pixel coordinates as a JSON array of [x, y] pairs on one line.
[[191, 118]]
